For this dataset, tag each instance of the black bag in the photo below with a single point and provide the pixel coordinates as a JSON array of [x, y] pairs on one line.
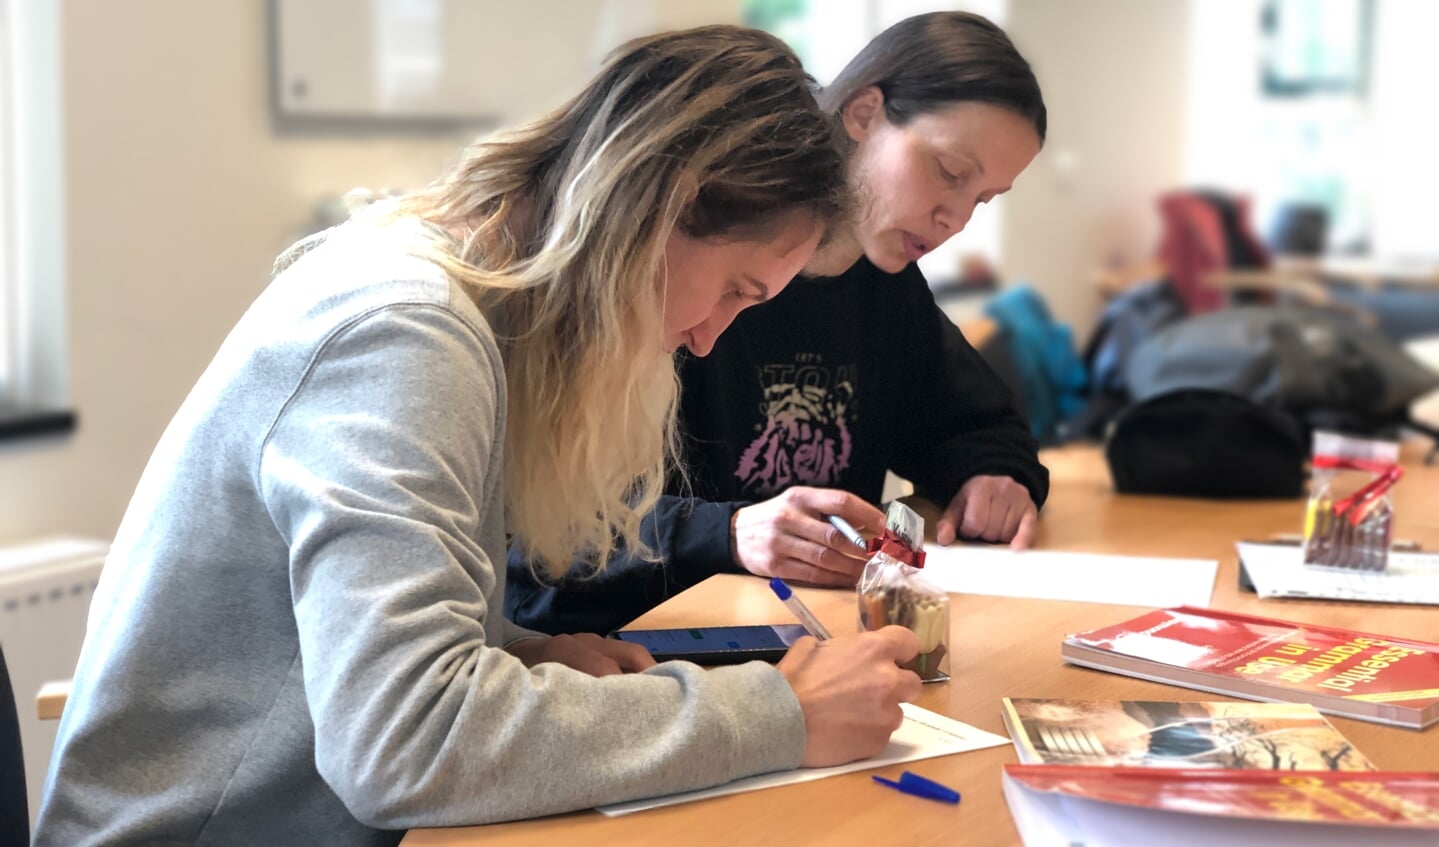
[[1206, 443]]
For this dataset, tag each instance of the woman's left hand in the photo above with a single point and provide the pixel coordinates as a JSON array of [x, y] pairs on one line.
[[585, 652], [990, 508]]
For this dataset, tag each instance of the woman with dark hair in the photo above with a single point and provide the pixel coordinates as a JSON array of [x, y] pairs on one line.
[[941, 114], [805, 404]]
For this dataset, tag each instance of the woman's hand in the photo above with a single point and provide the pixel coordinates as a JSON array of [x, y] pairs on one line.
[[585, 652], [990, 508], [849, 689], [789, 536]]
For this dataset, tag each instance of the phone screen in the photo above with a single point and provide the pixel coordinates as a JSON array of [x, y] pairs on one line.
[[715, 645]]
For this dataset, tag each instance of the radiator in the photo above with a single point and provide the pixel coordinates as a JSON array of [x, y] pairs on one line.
[[45, 591]]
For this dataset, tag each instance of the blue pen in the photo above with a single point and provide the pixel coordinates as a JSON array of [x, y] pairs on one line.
[[848, 531], [800, 610], [913, 783]]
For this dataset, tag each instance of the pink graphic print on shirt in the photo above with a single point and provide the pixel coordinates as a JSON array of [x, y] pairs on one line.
[[805, 437]]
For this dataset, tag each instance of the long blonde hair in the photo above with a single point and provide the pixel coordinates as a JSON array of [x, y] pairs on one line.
[[558, 231]]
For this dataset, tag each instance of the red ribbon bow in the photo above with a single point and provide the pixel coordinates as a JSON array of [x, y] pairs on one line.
[[893, 546], [1357, 506]]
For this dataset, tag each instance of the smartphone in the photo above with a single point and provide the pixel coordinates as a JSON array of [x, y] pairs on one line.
[[716, 645]]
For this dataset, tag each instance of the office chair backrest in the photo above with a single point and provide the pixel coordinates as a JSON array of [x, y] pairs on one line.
[[1300, 229], [1204, 232]]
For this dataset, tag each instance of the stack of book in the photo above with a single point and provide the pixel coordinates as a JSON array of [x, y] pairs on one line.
[[1196, 773]]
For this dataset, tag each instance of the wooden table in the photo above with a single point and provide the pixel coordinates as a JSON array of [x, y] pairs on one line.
[[1002, 647]]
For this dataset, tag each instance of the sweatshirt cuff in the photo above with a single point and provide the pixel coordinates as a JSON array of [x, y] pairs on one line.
[[704, 550], [1036, 482], [765, 718]]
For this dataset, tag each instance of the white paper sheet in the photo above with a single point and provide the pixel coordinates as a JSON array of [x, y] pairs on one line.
[[1278, 570], [1084, 577], [923, 735]]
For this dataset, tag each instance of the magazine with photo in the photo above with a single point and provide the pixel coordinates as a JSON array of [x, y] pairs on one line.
[[1178, 734]]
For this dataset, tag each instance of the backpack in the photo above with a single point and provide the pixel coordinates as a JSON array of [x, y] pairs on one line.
[[1323, 367], [1051, 376], [1128, 320]]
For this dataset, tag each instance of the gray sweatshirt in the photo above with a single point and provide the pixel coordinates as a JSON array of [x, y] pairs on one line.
[[296, 638]]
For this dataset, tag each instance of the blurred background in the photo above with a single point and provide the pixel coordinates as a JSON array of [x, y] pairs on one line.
[[155, 155]]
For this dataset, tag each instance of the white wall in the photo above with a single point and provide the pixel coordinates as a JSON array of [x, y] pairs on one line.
[[179, 196], [1114, 79], [1405, 180]]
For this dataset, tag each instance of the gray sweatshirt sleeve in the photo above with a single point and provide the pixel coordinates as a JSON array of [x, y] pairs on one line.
[[378, 472]]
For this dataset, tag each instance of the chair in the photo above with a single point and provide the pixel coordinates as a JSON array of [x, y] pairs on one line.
[[50, 701], [14, 806], [1206, 237]]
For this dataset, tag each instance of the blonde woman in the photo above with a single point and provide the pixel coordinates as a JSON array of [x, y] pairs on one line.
[[298, 632]]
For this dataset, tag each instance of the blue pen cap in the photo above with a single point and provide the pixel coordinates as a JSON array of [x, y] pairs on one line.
[[780, 589], [913, 783]]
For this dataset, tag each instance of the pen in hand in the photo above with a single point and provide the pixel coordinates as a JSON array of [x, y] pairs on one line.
[[800, 610], [848, 531]]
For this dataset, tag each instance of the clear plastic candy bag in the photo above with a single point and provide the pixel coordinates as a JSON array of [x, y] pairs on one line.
[[893, 590], [1349, 520]]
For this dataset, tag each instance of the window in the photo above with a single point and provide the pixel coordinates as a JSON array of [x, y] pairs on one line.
[[33, 383], [1321, 103], [8, 305], [1313, 47]]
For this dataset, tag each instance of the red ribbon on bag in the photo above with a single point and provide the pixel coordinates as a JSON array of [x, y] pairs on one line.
[[894, 547], [1357, 506]]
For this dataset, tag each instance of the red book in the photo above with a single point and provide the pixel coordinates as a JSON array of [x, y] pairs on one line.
[[1119, 807], [1341, 672]]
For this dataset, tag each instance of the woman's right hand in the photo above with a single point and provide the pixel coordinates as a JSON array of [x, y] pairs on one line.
[[849, 690], [787, 536]]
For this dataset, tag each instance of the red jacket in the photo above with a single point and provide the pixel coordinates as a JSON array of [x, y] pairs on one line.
[[1196, 242]]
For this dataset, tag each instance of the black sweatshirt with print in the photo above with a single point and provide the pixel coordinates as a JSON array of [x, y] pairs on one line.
[[833, 382]]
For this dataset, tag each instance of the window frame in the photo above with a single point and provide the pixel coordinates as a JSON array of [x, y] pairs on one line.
[[9, 299], [34, 391]]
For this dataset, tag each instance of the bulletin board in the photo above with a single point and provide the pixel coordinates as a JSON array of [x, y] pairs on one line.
[[440, 63]]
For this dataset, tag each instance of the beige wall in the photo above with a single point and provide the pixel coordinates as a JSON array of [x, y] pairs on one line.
[[178, 197], [1114, 80]]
